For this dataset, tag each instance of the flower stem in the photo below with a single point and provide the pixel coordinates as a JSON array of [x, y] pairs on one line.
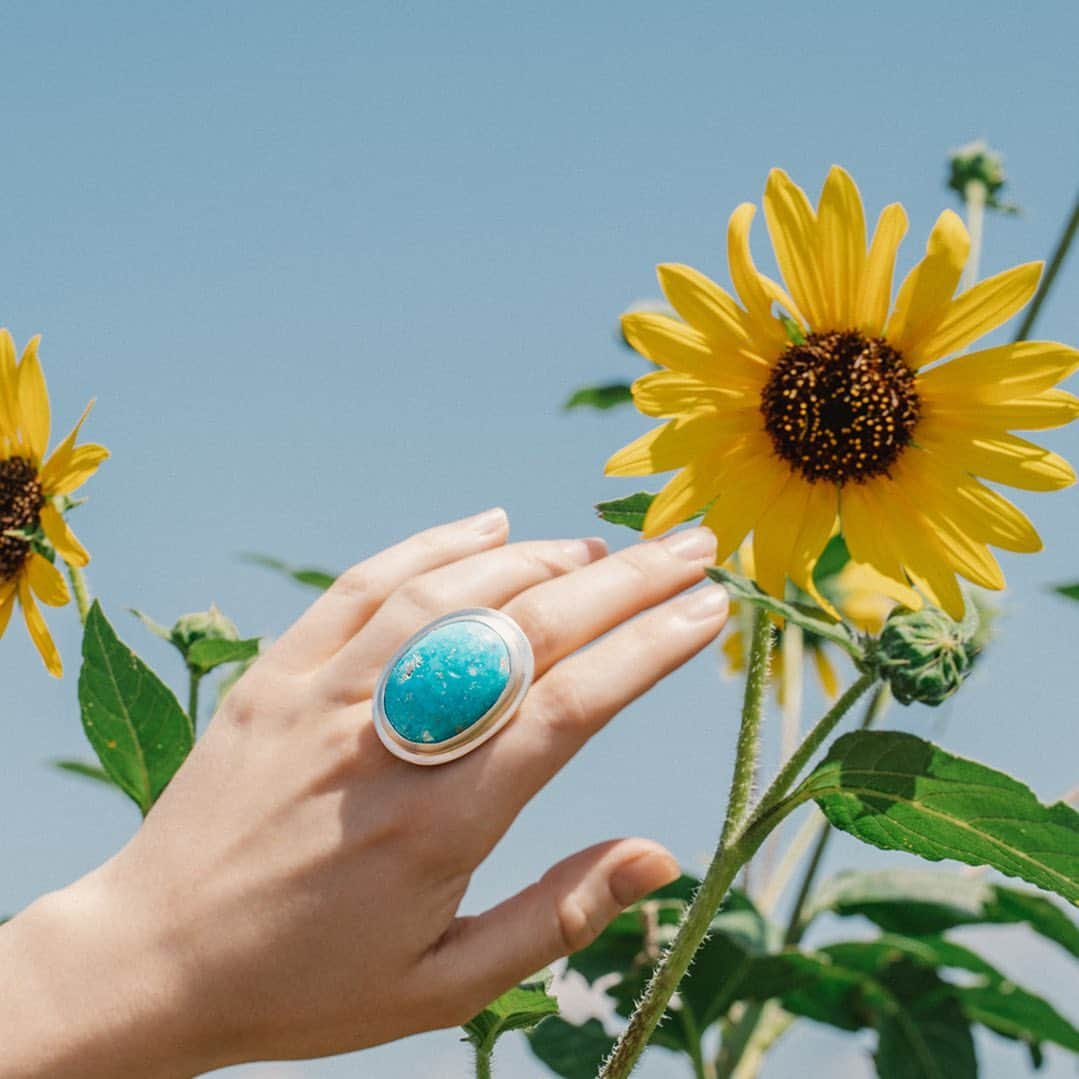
[[193, 699], [1071, 226], [483, 1063], [800, 757], [729, 858], [974, 194], [749, 733], [80, 589]]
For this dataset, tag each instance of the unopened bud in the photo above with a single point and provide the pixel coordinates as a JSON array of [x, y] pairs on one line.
[[926, 655]]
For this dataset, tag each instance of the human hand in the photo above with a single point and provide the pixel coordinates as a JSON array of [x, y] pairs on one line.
[[294, 892]]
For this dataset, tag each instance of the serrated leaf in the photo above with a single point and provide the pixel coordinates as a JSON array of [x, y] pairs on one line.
[[898, 792], [86, 770], [603, 397], [920, 902], [203, 656], [570, 1050], [811, 619], [520, 1008], [310, 578], [139, 731], [1070, 591]]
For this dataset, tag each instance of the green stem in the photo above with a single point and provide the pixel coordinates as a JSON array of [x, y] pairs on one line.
[[731, 854], [736, 1040], [975, 195], [749, 733], [193, 699], [693, 1044], [483, 1063], [800, 757], [1071, 226], [80, 589]]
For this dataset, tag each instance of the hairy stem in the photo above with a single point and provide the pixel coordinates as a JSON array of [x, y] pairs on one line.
[[193, 699], [80, 589], [483, 1063], [731, 854], [1071, 226]]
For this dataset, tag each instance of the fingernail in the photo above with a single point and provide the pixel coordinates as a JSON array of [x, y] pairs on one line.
[[704, 603], [489, 522], [642, 874], [586, 550], [692, 544]]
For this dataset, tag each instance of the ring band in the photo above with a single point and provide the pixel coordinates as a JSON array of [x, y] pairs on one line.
[[452, 685]]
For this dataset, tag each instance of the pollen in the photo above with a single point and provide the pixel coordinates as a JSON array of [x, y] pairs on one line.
[[20, 508], [840, 407]]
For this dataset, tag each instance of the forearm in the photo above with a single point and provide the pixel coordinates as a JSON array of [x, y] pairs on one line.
[[88, 990]]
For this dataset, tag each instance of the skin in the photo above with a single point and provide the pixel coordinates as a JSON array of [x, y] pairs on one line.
[[294, 893]]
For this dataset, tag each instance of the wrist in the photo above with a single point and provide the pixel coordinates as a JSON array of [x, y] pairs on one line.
[[94, 989]]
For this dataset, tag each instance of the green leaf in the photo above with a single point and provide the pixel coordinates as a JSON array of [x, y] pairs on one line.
[[1014, 1013], [833, 558], [86, 770], [1071, 591], [203, 656], [604, 397], [310, 578], [139, 731], [571, 1051], [630, 511], [898, 792], [811, 619], [920, 902], [519, 1008]]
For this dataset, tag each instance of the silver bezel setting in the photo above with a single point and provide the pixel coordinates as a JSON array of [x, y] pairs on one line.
[[522, 667]]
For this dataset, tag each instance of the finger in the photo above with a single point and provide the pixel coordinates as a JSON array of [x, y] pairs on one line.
[[489, 579], [565, 614], [565, 911], [336, 616], [578, 696]]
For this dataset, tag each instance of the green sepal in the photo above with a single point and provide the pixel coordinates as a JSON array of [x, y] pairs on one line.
[[603, 397], [520, 1008]]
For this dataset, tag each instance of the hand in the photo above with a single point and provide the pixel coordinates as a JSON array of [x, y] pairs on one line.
[[294, 892]]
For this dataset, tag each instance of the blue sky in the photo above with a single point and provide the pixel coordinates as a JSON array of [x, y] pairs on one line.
[[329, 270]]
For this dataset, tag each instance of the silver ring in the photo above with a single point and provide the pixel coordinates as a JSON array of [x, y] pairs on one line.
[[452, 685]]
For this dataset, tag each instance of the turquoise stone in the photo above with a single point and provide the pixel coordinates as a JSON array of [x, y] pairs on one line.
[[446, 682]]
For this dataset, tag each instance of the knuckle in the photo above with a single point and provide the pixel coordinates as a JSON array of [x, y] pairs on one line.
[[423, 593], [541, 628], [575, 924], [641, 566], [355, 582], [563, 705]]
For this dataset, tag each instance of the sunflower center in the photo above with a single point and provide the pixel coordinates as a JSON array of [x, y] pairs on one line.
[[20, 508], [840, 407]]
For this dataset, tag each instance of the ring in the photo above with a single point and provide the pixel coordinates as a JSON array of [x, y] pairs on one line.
[[452, 685]]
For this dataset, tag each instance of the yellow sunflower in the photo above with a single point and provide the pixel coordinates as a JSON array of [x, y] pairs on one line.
[[837, 412], [32, 497], [861, 596]]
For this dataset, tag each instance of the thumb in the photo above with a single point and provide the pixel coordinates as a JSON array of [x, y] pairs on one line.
[[561, 913]]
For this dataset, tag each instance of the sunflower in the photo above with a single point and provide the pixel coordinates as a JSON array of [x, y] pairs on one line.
[[33, 491], [825, 405], [860, 595]]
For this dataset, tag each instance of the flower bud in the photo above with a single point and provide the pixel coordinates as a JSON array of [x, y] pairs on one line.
[[978, 163], [925, 655], [200, 626]]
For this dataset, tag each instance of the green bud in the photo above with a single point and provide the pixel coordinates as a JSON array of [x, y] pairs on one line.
[[977, 162], [926, 655], [201, 626]]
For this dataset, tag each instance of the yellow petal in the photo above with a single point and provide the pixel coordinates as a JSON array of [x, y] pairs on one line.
[[841, 223], [688, 492], [1000, 374], [814, 530], [84, 461], [670, 393], [47, 581], [1050, 408], [925, 293], [973, 314], [756, 291], [9, 386], [860, 518], [34, 415], [745, 495], [60, 458], [924, 560], [825, 672], [62, 538], [39, 632], [776, 534], [734, 649], [663, 448], [1000, 522], [876, 294], [1001, 458], [792, 226], [709, 309], [7, 603]]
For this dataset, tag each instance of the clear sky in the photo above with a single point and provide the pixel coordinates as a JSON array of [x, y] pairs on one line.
[[330, 268]]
